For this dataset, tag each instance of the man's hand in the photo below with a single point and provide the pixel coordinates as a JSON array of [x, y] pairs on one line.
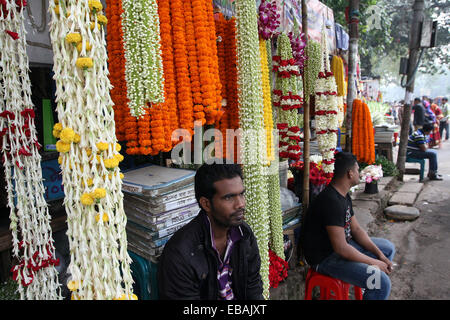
[[383, 266], [389, 263]]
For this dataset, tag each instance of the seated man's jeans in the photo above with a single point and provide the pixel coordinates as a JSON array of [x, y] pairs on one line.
[[429, 154], [376, 283]]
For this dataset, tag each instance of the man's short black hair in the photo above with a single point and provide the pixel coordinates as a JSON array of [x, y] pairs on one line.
[[427, 127], [207, 174], [445, 98], [417, 100], [344, 161]]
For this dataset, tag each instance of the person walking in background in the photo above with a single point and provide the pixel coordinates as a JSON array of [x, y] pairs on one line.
[[418, 113], [435, 136], [443, 122]]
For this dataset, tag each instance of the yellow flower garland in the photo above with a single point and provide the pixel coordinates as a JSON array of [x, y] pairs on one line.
[[268, 120]]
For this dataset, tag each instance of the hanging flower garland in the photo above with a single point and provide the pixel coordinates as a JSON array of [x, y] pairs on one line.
[[224, 123], [326, 110], [278, 269], [89, 155], [288, 98], [311, 71], [214, 66], [205, 41], [169, 107], [298, 44], [181, 63], [269, 19], [337, 67], [267, 100], [193, 61], [363, 145], [116, 63], [33, 246], [252, 123], [143, 63]]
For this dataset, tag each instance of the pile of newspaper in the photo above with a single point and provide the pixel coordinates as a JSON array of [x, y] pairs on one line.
[[157, 201]]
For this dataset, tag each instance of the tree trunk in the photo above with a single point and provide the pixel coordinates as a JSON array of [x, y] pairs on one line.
[[414, 40], [352, 61]]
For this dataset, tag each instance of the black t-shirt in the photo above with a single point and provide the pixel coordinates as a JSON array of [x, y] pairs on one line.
[[330, 208], [419, 114]]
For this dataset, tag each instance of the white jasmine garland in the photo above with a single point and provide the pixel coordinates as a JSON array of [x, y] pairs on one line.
[[143, 62], [327, 109], [100, 264], [251, 121], [33, 247]]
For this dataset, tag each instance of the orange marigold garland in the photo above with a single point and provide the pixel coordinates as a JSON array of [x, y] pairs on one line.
[[214, 66], [116, 62], [363, 144], [184, 93], [169, 107], [199, 115]]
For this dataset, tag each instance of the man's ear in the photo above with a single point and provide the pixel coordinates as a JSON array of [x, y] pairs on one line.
[[205, 204]]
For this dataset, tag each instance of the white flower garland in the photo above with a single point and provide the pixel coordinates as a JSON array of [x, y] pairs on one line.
[[327, 109], [89, 154], [253, 142], [143, 62], [288, 98], [35, 274]]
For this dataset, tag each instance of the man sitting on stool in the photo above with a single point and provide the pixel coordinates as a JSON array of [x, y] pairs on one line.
[[417, 148], [334, 243]]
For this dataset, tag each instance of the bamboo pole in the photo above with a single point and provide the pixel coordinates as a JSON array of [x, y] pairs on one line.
[[306, 117], [352, 56]]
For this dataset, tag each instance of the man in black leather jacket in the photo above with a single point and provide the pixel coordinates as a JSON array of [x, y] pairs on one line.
[[215, 256]]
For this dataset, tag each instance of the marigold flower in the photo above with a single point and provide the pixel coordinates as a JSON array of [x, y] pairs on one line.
[[87, 199], [92, 26], [99, 193], [80, 46], [84, 63], [111, 163], [104, 217], [73, 285], [73, 38], [95, 5], [76, 138], [119, 157], [57, 126], [102, 146], [102, 19], [89, 182], [67, 135], [56, 133], [62, 146]]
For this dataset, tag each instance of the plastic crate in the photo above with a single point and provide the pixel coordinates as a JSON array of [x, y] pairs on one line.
[[144, 274]]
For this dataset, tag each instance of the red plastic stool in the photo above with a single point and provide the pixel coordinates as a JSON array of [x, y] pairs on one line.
[[330, 288]]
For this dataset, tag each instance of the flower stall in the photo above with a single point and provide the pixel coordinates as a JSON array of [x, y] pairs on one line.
[[134, 81]]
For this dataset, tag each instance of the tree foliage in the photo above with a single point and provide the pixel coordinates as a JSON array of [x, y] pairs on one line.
[[384, 35]]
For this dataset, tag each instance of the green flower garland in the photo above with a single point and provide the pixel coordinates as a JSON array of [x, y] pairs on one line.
[[312, 68], [251, 122], [143, 62]]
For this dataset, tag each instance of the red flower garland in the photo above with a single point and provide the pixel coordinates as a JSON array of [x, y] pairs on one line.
[[277, 269]]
